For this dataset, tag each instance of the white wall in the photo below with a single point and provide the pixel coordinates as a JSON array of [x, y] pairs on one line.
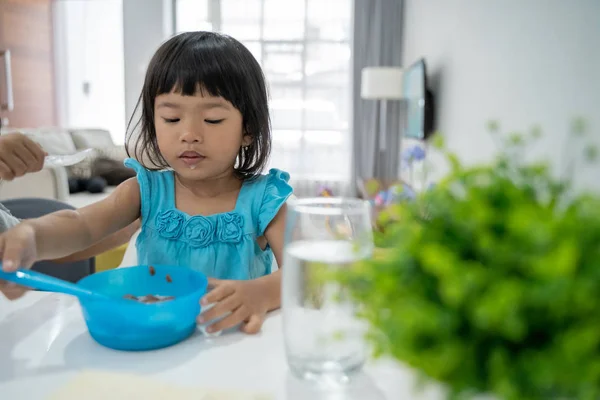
[[147, 23], [520, 62], [108, 44], [89, 48]]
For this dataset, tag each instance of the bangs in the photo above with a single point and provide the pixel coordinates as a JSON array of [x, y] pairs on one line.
[[207, 66]]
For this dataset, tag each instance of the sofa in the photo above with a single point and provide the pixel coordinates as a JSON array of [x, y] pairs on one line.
[[52, 183]]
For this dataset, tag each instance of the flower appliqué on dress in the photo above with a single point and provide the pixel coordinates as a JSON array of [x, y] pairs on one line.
[[229, 228], [169, 223], [200, 231]]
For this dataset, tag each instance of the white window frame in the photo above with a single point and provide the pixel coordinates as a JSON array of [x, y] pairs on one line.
[[215, 20]]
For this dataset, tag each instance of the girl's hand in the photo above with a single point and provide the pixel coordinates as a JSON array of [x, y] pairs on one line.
[[245, 300], [17, 250], [12, 291]]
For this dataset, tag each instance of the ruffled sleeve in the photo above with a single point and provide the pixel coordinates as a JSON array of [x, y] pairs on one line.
[[143, 179], [277, 191]]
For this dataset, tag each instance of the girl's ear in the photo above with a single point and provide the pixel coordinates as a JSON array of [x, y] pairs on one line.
[[246, 140]]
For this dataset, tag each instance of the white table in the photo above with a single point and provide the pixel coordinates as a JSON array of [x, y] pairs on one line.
[[44, 343]]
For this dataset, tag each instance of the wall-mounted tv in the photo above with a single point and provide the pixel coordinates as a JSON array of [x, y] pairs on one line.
[[419, 99]]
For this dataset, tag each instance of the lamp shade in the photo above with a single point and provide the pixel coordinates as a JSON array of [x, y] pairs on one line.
[[381, 83]]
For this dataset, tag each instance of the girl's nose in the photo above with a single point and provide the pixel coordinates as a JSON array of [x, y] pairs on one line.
[[187, 138], [191, 136]]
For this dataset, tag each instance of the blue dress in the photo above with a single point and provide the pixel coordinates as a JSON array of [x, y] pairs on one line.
[[221, 245]]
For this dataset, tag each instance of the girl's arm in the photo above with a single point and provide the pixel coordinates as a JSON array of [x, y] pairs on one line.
[[113, 241], [66, 232], [275, 235]]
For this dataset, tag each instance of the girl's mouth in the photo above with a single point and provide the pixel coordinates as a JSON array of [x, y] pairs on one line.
[[191, 158]]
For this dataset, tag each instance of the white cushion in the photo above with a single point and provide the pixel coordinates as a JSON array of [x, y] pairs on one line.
[[53, 141], [91, 138]]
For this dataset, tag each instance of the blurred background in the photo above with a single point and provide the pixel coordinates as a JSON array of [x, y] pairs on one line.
[[80, 64]]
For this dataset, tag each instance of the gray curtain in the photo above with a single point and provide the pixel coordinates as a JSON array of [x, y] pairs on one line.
[[377, 42]]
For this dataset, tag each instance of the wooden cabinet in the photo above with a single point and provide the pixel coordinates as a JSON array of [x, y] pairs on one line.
[[26, 32]]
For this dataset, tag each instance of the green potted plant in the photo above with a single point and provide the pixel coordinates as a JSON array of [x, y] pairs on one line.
[[489, 282]]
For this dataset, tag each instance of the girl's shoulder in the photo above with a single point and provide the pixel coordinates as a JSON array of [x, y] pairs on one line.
[[275, 178], [145, 175], [267, 194], [156, 188]]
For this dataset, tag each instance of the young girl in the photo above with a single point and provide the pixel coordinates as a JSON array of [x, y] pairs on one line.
[[203, 139]]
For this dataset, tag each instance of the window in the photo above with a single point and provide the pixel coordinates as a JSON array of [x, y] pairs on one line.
[[303, 47]]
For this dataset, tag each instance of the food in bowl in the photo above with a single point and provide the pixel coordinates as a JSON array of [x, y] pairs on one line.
[[149, 298]]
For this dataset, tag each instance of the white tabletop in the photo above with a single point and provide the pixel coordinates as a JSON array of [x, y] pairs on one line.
[[44, 343]]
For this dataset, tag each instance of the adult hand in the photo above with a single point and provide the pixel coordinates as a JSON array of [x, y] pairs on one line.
[[19, 155]]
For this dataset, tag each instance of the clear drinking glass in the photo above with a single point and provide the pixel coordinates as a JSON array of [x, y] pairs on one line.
[[322, 335]]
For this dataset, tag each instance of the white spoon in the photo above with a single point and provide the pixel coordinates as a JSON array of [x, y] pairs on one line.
[[66, 160]]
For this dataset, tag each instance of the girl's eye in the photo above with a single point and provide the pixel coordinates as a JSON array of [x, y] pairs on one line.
[[214, 121], [171, 120]]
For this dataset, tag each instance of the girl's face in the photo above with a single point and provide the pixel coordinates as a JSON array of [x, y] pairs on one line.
[[199, 136]]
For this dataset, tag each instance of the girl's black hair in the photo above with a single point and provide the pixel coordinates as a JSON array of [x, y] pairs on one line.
[[215, 64]]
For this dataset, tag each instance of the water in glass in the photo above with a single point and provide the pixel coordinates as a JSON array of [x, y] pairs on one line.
[[323, 337]]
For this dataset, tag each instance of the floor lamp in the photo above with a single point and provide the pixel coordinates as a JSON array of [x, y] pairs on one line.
[[383, 84]]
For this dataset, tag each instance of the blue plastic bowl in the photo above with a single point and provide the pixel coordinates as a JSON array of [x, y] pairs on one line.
[[134, 326]]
